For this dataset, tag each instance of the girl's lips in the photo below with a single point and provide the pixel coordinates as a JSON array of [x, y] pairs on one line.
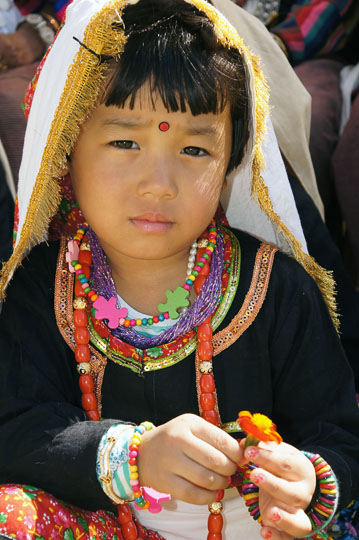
[[152, 223]]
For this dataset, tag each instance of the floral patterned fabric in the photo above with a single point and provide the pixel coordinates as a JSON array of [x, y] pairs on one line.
[[28, 513]]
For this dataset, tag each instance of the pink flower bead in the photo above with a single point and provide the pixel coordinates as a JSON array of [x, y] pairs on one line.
[[84, 285], [166, 315], [133, 322], [133, 453], [202, 259], [187, 287], [79, 271], [209, 252], [197, 268]]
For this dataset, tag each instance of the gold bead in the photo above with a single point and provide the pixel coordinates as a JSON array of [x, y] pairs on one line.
[[84, 368], [215, 507], [80, 303], [205, 367], [202, 242], [85, 246]]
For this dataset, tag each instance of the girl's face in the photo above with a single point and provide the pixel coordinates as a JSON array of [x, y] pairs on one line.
[[148, 193]]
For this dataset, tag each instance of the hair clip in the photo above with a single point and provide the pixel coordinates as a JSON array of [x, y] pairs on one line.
[[101, 57]]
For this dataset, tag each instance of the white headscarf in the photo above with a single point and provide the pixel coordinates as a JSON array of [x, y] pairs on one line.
[[257, 199]]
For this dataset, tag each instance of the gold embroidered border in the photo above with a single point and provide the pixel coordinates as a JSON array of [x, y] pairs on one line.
[[64, 282], [252, 302]]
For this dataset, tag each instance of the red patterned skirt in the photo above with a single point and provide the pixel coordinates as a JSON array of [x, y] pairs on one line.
[[28, 513]]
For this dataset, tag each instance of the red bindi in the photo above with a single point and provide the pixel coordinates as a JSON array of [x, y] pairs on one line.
[[164, 126]]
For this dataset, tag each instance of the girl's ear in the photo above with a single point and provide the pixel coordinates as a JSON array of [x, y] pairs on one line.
[[66, 169], [225, 182]]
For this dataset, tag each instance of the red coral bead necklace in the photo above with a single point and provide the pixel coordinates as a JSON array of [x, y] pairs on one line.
[[206, 385]]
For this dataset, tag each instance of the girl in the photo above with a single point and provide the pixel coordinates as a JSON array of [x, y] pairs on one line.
[[144, 114]]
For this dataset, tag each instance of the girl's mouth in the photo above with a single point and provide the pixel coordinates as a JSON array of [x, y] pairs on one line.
[[152, 222]]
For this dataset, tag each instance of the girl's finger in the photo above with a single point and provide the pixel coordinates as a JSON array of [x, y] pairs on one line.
[[294, 494], [199, 474], [188, 492], [282, 460], [210, 457], [216, 438], [294, 523], [270, 533]]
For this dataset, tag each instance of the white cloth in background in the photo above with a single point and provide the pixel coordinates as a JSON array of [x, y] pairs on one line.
[[349, 81], [9, 17]]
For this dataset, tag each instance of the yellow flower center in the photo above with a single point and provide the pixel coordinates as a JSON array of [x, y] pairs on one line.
[[262, 422]]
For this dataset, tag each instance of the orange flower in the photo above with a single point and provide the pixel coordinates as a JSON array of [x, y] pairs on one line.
[[258, 426]]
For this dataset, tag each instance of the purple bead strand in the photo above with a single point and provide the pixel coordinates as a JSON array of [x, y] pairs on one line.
[[204, 305]]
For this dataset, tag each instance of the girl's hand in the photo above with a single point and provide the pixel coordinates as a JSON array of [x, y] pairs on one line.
[[189, 458], [286, 481]]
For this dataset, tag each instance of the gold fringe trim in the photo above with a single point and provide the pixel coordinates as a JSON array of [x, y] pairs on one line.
[[78, 99]]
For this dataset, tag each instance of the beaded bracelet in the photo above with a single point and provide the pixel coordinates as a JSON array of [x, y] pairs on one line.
[[325, 506], [323, 510], [140, 502]]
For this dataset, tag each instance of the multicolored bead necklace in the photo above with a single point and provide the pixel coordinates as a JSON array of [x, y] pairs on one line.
[[79, 258], [177, 300], [204, 305]]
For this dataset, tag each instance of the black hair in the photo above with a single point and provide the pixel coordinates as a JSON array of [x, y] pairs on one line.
[[172, 46]]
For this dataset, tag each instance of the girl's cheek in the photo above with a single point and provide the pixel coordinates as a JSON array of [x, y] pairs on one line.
[[209, 187]]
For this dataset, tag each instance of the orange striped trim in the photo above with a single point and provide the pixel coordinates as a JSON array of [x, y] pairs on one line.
[[252, 302]]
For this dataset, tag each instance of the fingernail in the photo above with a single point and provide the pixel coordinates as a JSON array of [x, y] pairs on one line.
[[268, 535], [252, 452], [275, 516], [258, 477]]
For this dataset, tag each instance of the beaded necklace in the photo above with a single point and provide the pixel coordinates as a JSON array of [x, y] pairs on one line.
[[204, 305], [82, 256]]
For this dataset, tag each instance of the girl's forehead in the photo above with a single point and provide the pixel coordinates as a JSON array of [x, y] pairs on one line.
[[146, 114]]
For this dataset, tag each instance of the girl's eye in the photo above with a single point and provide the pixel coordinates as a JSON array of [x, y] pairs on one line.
[[194, 151], [125, 145]]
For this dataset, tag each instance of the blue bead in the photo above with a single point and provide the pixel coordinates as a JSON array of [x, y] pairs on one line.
[[189, 282], [83, 280], [144, 322], [161, 317]]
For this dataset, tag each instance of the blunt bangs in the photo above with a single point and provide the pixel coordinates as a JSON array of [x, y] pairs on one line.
[[172, 47]]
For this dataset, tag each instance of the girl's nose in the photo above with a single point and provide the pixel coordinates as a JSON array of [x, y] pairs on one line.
[[158, 180]]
